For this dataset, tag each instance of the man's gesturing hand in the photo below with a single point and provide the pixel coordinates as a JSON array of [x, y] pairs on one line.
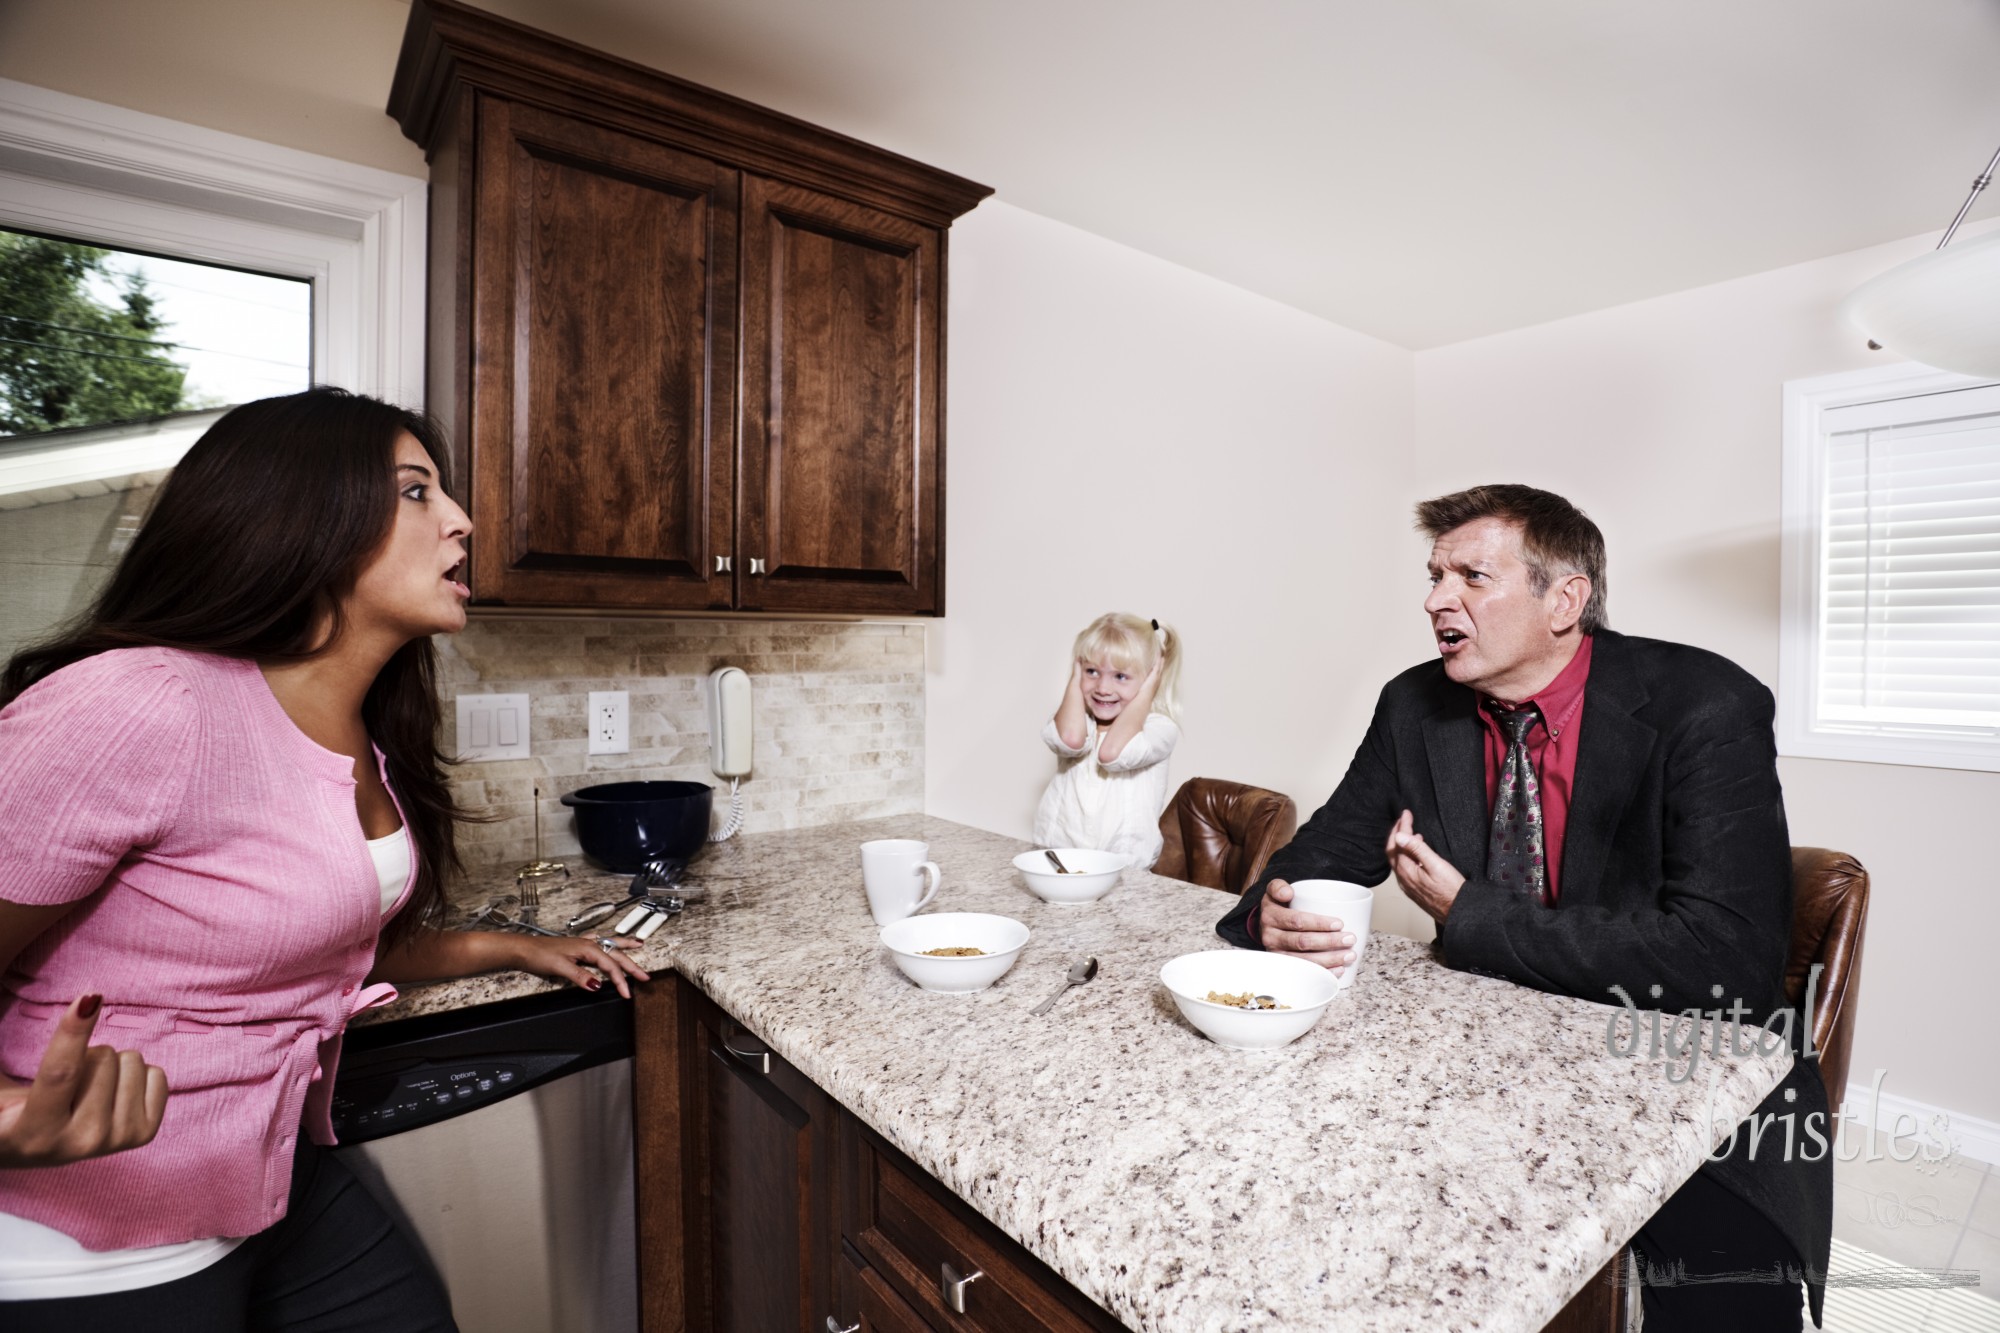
[[86, 1101], [1430, 881], [1317, 939]]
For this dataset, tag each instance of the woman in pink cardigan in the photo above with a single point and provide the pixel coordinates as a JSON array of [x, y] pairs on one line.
[[226, 831]]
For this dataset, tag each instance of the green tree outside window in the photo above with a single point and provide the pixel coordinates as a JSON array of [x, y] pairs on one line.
[[68, 359]]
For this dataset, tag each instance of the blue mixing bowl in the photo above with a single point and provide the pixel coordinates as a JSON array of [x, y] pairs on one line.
[[624, 825]]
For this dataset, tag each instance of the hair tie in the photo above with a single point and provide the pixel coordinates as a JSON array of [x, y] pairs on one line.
[[1156, 627]]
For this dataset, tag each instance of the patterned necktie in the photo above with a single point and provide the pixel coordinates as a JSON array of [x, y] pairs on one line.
[[1514, 846]]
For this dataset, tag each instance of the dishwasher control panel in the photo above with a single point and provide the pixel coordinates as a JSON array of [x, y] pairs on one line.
[[389, 1102]]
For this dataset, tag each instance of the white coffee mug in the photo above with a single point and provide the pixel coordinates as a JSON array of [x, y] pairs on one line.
[[1351, 904], [895, 871]]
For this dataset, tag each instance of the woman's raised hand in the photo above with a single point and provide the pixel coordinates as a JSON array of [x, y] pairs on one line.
[[86, 1101]]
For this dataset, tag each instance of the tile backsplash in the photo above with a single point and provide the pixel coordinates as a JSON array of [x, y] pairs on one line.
[[838, 708]]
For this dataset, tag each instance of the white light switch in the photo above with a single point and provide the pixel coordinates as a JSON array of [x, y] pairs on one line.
[[492, 726]]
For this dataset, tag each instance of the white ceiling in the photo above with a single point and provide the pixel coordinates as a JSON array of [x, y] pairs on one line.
[[1421, 170]]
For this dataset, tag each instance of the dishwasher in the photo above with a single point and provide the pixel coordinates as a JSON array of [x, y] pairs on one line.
[[501, 1136]]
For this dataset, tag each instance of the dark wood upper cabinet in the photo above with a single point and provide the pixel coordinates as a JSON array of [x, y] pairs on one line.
[[605, 289], [840, 402], [690, 351]]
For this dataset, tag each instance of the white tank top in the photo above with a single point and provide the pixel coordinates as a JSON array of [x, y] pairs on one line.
[[40, 1263]]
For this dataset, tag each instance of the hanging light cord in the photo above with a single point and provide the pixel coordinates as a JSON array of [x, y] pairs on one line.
[[734, 824], [1985, 179]]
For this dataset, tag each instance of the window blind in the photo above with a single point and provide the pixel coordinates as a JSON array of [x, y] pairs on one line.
[[1910, 593]]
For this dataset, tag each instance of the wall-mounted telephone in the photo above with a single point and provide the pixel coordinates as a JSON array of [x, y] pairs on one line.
[[729, 731]]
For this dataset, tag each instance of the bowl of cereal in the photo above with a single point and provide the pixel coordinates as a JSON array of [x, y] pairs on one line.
[[1246, 999], [1086, 876], [955, 953]]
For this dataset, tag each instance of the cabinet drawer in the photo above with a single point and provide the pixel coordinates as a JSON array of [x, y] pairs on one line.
[[912, 1236], [869, 1306]]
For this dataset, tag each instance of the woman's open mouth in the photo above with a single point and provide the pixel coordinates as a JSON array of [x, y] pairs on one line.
[[451, 577]]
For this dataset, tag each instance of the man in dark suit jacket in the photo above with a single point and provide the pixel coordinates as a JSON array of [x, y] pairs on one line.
[[1577, 809]]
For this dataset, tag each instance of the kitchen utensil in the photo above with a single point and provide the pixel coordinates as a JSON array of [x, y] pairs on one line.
[[623, 826], [1082, 970], [525, 876], [892, 870], [1000, 938], [1056, 861], [1353, 905], [497, 917], [591, 916], [1307, 987], [1087, 875]]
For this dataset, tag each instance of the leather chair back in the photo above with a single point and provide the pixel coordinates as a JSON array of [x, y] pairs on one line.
[[1220, 833], [1829, 918]]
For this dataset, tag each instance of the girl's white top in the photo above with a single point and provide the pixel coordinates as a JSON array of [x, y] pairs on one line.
[[1112, 807]]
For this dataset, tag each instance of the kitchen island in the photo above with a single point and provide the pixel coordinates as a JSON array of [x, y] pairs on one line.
[[1442, 1151]]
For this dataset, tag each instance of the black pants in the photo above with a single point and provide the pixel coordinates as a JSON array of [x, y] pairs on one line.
[[336, 1263], [1704, 1231]]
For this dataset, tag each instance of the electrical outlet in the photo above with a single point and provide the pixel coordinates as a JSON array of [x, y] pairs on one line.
[[610, 722], [492, 726]]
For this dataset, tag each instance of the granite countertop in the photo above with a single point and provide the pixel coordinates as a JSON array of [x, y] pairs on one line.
[[1442, 1151]]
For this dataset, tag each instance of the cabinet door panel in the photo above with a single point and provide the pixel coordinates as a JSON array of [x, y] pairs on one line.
[[604, 367], [842, 491], [769, 1163]]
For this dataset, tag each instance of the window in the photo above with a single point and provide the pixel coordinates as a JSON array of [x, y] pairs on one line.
[[1890, 649], [341, 246]]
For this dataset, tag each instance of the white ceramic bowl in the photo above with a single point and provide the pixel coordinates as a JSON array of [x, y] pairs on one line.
[[1091, 874], [1307, 987], [1002, 937]]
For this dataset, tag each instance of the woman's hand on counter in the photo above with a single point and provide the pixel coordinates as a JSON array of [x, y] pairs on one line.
[[572, 958], [445, 955], [85, 1101]]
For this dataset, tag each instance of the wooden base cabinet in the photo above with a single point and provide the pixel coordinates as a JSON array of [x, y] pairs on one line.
[[691, 351], [766, 1207]]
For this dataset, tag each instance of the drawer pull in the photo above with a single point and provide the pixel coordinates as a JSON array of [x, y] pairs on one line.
[[951, 1287], [722, 564], [833, 1326], [758, 1059], [756, 565]]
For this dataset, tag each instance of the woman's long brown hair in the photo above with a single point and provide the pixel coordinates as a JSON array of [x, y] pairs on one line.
[[249, 548]]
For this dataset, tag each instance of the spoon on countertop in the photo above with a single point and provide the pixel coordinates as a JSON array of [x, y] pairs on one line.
[[1082, 970]]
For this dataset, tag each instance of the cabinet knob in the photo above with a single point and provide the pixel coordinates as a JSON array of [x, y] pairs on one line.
[[756, 565], [757, 1057], [722, 564], [951, 1286], [833, 1326]]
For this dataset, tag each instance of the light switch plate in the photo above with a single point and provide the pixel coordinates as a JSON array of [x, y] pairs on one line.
[[610, 722], [492, 726]]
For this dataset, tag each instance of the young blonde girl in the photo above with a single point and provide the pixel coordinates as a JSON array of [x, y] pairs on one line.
[[1112, 734]]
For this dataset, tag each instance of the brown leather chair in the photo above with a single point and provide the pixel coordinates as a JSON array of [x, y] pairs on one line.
[[1220, 834], [1829, 917]]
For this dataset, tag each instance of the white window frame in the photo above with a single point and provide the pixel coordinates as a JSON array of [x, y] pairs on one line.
[[124, 179], [1803, 488]]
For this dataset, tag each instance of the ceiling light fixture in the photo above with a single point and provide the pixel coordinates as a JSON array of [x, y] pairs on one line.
[[1942, 309]]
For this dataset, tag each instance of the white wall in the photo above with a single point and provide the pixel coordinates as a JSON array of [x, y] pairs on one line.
[[1128, 435], [1661, 419]]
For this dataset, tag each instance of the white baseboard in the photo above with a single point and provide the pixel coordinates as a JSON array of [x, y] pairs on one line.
[[1969, 1136]]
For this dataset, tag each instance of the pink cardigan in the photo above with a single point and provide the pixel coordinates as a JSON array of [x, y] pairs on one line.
[[227, 910]]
